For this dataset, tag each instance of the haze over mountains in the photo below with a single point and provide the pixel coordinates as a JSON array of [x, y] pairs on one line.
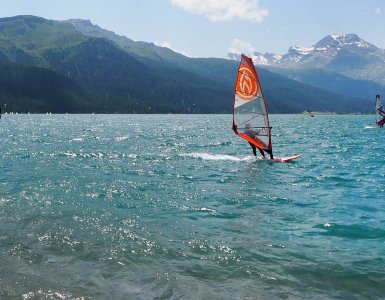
[[74, 66]]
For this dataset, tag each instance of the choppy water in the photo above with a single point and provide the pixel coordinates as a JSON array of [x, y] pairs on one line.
[[175, 207]]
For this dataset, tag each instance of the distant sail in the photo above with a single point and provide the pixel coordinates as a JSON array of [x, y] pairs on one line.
[[250, 117], [379, 112]]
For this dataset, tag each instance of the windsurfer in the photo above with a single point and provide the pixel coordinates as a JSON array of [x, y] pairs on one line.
[[251, 133], [381, 112]]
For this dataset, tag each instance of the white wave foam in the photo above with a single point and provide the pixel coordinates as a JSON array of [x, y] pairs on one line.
[[219, 157], [208, 209], [69, 154], [369, 127]]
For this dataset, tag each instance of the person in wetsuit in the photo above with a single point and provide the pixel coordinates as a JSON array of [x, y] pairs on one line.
[[251, 133]]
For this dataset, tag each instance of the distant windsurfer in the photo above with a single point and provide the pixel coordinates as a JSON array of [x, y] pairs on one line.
[[380, 112], [251, 133]]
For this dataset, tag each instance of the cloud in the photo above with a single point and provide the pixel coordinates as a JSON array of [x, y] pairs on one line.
[[237, 46], [166, 44], [224, 10], [378, 11]]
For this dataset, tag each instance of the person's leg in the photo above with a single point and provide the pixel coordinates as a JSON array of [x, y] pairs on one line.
[[254, 149], [262, 153]]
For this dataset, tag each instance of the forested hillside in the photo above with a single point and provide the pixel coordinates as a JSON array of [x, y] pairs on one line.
[[32, 89]]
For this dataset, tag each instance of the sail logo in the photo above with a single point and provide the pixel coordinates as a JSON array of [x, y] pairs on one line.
[[247, 84]]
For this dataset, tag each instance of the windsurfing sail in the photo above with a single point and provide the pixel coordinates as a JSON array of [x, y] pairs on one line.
[[250, 117], [379, 112]]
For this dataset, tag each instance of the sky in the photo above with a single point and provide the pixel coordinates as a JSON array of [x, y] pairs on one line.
[[213, 28]]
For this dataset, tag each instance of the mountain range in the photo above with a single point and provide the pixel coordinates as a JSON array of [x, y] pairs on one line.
[[344, 64], [77, 67]]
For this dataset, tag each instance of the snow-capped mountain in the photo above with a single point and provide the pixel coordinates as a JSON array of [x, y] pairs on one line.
[[345, 54]]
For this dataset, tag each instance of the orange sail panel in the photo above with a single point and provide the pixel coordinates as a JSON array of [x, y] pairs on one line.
[[250, 117]]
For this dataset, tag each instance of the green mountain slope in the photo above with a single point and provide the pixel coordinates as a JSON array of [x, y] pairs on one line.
[[121, 83], [23, 38]]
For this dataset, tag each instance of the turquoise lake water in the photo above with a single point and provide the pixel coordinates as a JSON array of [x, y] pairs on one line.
[[175, 207]]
